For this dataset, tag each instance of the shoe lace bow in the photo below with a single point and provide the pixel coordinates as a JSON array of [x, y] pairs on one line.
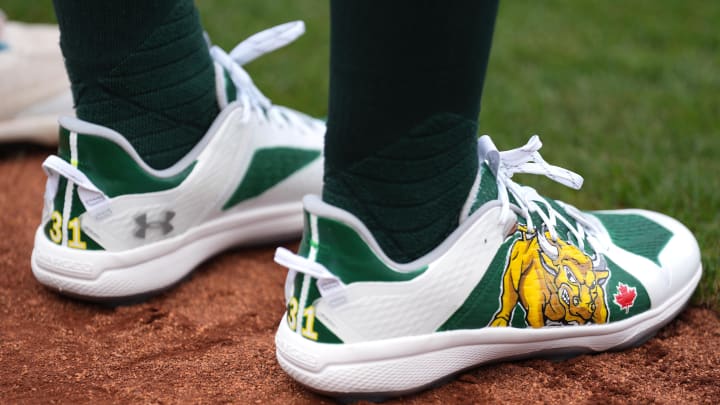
[[251, 98], [527, 160]]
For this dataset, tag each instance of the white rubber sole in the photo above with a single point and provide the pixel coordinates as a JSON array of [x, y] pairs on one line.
[[117, 276], [402, 365]]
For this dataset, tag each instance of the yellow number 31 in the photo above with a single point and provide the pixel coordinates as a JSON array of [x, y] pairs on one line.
[[56, 234], [308, 329]]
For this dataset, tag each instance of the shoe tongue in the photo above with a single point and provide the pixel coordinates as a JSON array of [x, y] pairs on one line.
[[560, 227], [484, 189]]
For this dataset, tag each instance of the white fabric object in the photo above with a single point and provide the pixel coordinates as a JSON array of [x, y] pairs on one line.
[[92, 197]]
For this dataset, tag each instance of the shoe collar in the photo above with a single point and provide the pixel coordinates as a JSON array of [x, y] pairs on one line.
[[79, 126]]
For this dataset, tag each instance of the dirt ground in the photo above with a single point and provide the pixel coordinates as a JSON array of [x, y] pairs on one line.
[[210, 339]]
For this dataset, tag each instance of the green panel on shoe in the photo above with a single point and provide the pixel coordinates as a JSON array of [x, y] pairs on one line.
[[230, 89], [114, 172], [268, 167], [297, 285], [560, 227], [304, 248], [563, 230], [325, 335], [64, 144], [636, 234], [59, 200], [488, 188], [345, 254], [625, 295], [480, 306], [518, 317]]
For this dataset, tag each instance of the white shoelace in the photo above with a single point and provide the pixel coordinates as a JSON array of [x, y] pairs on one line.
[[527, 159], [251, 98]]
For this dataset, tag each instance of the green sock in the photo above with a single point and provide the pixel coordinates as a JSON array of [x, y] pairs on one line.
[[405, 84], [141, 68]]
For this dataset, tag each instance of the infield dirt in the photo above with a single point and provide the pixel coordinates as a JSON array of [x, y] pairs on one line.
[[210, 340]]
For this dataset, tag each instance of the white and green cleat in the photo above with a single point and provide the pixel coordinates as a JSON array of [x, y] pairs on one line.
[[114, 228], [522, 276]]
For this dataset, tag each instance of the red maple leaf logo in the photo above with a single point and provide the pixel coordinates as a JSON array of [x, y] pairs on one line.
[[625, 296]]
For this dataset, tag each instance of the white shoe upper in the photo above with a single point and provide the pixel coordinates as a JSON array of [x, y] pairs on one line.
[[626, 261], [251, 144]]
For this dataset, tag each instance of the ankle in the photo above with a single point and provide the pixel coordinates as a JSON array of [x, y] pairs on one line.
[[410, 194]]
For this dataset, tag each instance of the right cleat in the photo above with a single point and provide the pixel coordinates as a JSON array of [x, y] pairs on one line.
[[522, 276]]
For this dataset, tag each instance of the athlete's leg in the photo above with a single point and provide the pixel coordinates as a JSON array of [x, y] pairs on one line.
[[141, 68], [405, 84]]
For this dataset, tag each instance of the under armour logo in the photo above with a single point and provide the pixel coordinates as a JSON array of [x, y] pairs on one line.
[[143, 225]]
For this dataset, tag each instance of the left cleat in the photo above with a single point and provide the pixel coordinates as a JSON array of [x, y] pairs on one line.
[[522, 276], [114, 229]]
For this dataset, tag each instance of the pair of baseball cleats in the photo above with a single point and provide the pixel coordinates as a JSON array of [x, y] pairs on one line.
[[522, 275]]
